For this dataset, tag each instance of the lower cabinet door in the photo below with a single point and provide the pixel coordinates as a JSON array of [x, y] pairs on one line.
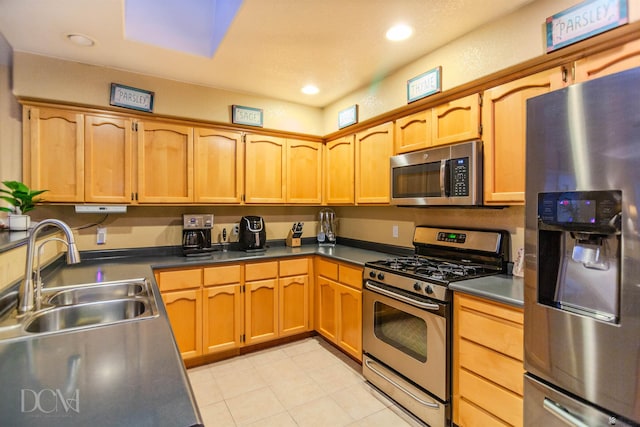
[[350, 320], [222, 320], [326, 309], [261, 311], [294, 305], [184, 309]]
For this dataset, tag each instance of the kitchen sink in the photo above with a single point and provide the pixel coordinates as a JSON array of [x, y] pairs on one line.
[[97, 292], [72, 307], [85, 315]]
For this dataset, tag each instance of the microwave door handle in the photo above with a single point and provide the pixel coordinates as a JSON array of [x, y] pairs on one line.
[[445, 177]]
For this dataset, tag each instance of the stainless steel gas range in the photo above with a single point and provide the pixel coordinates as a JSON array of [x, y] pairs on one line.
[[407, 313]]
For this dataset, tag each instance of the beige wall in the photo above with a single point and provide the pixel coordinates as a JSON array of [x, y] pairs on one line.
[[511, 40], [54, 79]]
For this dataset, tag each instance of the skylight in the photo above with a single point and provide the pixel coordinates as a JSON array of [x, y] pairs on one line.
[[190, 26]]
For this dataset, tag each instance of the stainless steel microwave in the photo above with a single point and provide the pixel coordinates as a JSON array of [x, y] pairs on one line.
[[450, 175]]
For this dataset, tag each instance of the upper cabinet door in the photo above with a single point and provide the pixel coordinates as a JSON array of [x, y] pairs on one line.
[[505, 120], [108, 149], [339, 176], [265, 174], [218, 162], [304, 172], [458, 120], [611, 61], [373, 150], [54, 153], [413, 132], [165, 163]]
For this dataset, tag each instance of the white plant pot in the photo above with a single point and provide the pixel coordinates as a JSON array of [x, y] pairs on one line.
[[19, 222]]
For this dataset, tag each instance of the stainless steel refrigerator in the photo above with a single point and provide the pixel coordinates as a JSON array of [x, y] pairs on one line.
[[582, 255]]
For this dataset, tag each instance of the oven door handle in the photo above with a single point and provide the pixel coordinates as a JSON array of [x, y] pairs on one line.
[[370, 363], [425, 305]]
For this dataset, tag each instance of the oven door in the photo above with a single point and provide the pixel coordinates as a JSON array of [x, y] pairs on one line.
[[409, 337]]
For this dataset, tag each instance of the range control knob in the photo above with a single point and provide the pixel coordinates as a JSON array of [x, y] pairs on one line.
[[372, 274], [428, 289], [417, 287], [380, 276]]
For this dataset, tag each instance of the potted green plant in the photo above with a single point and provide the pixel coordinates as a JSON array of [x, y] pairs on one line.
[[22, 200]]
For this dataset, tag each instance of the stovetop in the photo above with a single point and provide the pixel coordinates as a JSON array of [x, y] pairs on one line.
[[442, 256], [432, 269]]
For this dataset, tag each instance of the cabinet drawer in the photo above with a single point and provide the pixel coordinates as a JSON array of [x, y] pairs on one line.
[[472, 416], [261, 270], [492, 365], [222, 275], [350, 276], [294, 267], [169, 280], [327, 269], [498, 333], [502, 403]]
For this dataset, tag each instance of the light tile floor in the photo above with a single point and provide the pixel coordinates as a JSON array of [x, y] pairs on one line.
[[307, 383]]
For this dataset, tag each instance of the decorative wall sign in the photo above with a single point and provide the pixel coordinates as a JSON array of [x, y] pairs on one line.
[[131, 97], [585, 20], [424, 85], [246, 115], [348, 116]]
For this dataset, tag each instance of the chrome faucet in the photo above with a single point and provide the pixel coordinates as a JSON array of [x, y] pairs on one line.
[[26, 298]]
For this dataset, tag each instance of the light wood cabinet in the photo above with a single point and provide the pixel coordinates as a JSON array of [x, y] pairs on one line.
[[505, 122], [293, 294], [182, 295], [614, 60], [54, 153], [374, 148], [218, 166], [457, 120], [265, 163], [488, 364], [413, 132], [165, 163], [338, 305], [304, 172], [222, 314], [339, 175], [108, 159], [261, 301]]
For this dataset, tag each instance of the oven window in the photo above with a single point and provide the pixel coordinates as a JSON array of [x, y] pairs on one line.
[[421, 180], [404, 331]]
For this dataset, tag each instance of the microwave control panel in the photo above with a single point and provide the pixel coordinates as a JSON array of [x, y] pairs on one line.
[[460, 177]]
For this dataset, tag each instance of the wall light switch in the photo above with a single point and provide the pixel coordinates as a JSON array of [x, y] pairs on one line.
[[394, 231], [101, 237]]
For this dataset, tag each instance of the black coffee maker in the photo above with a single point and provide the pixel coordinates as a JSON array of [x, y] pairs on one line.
[[253, 234], [196, 234]]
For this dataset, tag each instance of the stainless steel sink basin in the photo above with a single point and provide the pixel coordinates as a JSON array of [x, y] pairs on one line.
[[97, 292], [86, 315], [79, 306]]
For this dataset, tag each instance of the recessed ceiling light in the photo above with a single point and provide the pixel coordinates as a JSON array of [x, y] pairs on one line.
[[310, 90], [81, 40], [399, 32]]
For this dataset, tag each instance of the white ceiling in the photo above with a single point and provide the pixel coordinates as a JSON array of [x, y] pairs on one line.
[[272, 48]]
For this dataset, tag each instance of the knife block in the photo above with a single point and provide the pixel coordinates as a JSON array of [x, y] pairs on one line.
[[291, 241]]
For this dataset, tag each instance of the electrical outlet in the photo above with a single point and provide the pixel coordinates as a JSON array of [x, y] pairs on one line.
[[236, 228], [101, 235], [394, 231]]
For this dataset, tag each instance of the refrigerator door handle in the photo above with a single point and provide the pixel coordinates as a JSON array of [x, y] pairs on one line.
[[562, 413]]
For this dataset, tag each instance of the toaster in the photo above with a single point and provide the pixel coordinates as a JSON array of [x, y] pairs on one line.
[[253, 234]]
